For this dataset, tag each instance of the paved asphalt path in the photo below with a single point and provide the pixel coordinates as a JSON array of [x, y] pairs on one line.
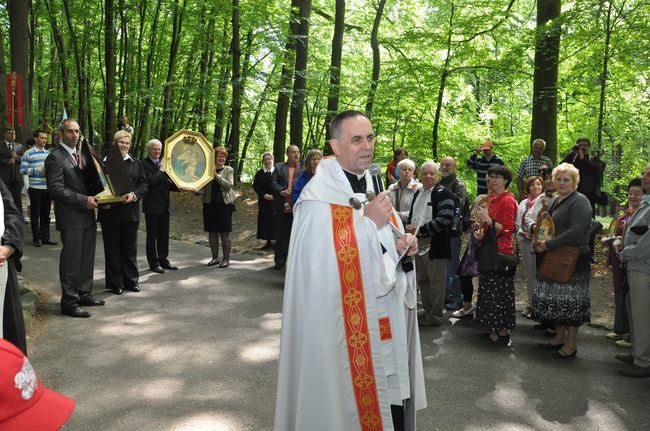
[[197, 349]]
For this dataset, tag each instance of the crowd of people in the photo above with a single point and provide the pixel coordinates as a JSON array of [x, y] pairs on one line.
[[383, 246]]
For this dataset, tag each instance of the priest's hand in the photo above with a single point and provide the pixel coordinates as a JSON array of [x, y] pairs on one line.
[[404, 242], [379, 209], [91, 202], [5, 253]]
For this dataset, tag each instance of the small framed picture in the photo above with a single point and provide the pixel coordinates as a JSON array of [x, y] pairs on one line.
[[190, 159]]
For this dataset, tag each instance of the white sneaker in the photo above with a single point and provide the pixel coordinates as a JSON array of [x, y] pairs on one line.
[[614, 336], [624, 343], [462, 313]]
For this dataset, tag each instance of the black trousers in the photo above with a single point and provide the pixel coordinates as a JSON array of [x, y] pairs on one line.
[[121, 254], [282, 234], [16, 189], [39, 213], [13, 325], [157, 238], [76, 264]]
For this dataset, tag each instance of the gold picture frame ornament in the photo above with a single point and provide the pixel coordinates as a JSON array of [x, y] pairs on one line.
[[189, 159]]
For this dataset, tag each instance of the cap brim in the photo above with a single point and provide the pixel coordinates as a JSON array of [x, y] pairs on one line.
[[50, 413]]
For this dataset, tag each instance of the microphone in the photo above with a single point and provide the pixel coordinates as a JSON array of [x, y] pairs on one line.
[[375, 172]]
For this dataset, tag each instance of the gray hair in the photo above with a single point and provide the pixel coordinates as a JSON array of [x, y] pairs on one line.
[[430, 163], [406, 162], [152, 142], [538, 140]]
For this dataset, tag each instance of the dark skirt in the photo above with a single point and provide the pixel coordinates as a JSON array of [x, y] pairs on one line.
[[495, 308], [564, 304], [217, 217], [265, 219]]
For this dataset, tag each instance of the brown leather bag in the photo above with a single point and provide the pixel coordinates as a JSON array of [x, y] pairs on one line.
[[559, 264]]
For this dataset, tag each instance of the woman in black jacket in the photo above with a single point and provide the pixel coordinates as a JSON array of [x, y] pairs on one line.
[[262, 186]]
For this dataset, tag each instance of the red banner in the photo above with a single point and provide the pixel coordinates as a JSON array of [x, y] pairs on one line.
[[10, 99], [19, 99]]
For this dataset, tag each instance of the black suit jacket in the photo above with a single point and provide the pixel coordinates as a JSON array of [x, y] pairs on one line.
[[66, 186], [280, 182], [8, 172], [156, 201], [127, 212]]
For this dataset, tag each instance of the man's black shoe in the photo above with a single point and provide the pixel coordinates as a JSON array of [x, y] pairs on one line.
[[89, 301], [117, 290], [167, 265], [37, 243], [133, 288], [48, 242], [75, 312], [158, 270]]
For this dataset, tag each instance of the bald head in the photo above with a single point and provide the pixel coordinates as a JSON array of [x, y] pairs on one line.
[[447, 166]]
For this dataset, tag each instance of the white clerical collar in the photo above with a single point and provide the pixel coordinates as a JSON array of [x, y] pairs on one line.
[[269, 170], [128, 156]]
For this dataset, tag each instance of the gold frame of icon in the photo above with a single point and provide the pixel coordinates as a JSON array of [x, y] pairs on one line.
[[189, 159]]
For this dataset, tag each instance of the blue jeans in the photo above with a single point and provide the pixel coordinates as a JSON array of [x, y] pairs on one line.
[[453, 292]]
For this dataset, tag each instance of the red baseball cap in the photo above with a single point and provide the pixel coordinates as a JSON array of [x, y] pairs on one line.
[[25, 404]]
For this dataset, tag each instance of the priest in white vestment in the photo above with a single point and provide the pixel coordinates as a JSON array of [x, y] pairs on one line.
[[350, 351]]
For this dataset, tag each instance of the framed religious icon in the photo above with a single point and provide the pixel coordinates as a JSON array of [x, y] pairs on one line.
[[545, 226], [108, 182], [189, 159]]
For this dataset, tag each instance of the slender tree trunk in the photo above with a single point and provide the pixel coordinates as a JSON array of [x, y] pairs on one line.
[[109, 64], [124, 57], [603, 79], [33, 25], [144, 122], [282, 107], [142, 12], [220, 113], [60, 47], [256, 117], [443, 83], [235, 119], [300, 79], [178, 17], [376, 58], [76, 52], [547, 53], [335, 71], [3, 80], [18, 40]]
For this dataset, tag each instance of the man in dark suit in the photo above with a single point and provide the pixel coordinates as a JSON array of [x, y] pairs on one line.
[[75, 219], [10, 152], [155, 207], [12, 326], [282, 180]]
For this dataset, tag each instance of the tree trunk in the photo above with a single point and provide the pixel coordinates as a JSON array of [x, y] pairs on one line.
[[300, 79], [144, 123], [60, 48], [33, 25], [3, 81], [547, 53], [220, 113], [335, 71], [443, 83], [124, 58], [251, 130], [235, 115], [142, 13], [282, 107], [376, 58], [76, 52], [18, 40], [178, 16], [603, 80], [110, 123]]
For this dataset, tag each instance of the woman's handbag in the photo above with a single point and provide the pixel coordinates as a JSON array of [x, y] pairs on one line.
[[489, 259], [559, 264]]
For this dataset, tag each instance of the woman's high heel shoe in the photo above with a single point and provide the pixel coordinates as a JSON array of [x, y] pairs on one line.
[[214, 262], [225, 263]]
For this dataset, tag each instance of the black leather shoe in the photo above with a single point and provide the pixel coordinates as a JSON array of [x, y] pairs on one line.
[[89, 301], [225, 264], [214, 262], [158, 270], [133, 288], [117, 290], [48, 242], [75, 312], [37, 243], [167, 265]]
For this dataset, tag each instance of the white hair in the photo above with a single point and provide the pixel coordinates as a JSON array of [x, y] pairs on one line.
[[152, 142], [538, 140], [430, 163], [406, 162]]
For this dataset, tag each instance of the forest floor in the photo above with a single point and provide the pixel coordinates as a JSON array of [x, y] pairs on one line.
[[187, 225]]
